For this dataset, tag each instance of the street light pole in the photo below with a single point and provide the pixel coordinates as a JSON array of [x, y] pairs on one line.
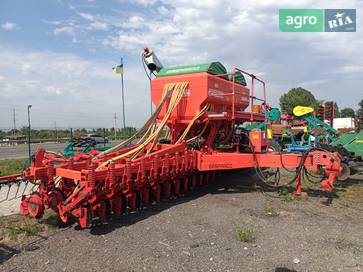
[[115, 127], [29, 129], [119, 69]]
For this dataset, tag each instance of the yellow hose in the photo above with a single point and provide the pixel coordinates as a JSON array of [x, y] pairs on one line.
[[196, 117], [177, 90], [200, 134], [54, 153], [144, 130], [177, 95]]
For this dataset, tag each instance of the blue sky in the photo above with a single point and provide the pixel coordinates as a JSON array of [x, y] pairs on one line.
[[58, 55]]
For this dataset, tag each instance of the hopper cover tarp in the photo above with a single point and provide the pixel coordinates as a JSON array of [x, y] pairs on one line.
[[215, 68], [239, 78]]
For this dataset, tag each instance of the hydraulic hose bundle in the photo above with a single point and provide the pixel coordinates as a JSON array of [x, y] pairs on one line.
[[173, 90]]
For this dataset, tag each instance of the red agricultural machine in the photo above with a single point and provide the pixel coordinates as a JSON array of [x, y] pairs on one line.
[[195, 133]]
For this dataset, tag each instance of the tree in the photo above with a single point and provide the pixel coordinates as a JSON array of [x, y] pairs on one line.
[[360, 104], [336, 110], [297, 97], [347, 112]]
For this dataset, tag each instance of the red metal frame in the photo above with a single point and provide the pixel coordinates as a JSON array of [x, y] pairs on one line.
[[82, 187]]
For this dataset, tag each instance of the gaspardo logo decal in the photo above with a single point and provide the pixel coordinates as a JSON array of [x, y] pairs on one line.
[[317, 20]]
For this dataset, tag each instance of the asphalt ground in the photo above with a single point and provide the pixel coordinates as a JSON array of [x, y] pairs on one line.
[[21, 151]]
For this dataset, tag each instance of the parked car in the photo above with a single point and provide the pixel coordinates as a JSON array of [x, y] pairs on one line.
[[97, 138]]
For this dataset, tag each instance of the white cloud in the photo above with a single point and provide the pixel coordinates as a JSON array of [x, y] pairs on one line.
[[70, 89], [71, 7], [56, 23], [65, 29], [8, 26], [144, 3], [245, 34], [25, 69], [95, 22], [53, 90], [163, 11], [238, 33], [134, 21], [86, 16], [68, 30], [98, 26]]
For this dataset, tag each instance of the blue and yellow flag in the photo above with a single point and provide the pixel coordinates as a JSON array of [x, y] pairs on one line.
[[119, 69]]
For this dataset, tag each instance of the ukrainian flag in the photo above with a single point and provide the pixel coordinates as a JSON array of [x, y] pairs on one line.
[[119, 69]]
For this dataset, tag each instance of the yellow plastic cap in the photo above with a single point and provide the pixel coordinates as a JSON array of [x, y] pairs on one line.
[[300, 110]]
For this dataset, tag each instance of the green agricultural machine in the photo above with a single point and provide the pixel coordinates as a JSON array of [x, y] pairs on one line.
[[352, 142], [83, 145], [350, 145]]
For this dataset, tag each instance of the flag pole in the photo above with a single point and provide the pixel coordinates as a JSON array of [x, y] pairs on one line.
[[123, 96]]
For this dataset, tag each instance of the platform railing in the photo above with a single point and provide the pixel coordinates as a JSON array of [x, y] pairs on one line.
[[252, 96]]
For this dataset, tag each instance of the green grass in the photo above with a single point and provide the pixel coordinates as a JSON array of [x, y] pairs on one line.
[[17, 227], [288, 198], [352, 193], [11, 166], [245, 234], [271, 211]]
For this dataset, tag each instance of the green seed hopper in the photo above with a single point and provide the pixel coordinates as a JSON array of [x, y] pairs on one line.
[[353, 142]]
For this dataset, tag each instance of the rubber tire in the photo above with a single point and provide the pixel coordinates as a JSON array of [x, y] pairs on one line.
[[331, 148], [274, 146]]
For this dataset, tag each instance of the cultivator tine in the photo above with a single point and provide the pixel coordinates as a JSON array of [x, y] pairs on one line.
[[10, 185], [26, 186], [32, 189], [7, 194], [17, 191]]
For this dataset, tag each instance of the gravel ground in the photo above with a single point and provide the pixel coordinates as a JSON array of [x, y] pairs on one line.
[[198, 233]]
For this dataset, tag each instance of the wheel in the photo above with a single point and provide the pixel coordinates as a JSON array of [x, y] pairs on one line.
[[344, 153], [56, 197], [274, 146], [345, 172], [327, 147], [36, 205]]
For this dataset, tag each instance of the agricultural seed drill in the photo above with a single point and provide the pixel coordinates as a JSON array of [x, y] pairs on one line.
[[200, 112]]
